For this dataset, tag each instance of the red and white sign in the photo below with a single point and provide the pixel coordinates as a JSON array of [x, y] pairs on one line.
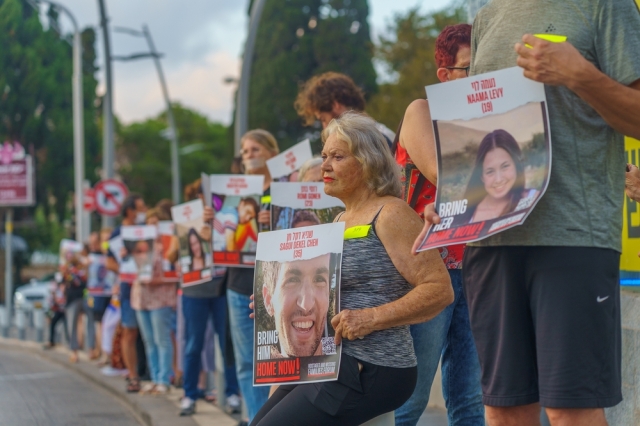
[[109, 197], [290, 160], [16, 176], [89, 199]]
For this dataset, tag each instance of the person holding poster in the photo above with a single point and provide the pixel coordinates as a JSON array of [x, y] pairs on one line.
[[446, 338], [257, 146], [194, 234], [383, 289], [297, 291], [556, 277]]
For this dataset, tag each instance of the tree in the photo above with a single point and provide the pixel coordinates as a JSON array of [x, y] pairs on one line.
[[296, 40], [408, 53], [144, 157]]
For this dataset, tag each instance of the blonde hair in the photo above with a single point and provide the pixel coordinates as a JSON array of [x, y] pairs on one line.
[[308, 165], [370, 148], [264, 138]]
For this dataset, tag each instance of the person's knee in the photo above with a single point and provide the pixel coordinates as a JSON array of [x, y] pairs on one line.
[[129, 334], [521, 415], [576, 416]]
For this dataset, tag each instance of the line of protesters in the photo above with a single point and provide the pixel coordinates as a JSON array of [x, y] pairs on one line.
[[526, 319]]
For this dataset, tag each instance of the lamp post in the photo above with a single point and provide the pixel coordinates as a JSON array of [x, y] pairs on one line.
[[107, 108], [78, 122], [172, 133], [242, 100]]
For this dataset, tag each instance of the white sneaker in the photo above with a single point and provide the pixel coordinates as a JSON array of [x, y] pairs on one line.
[[161, 390], [147, 388], [233, 404], [187, 406]]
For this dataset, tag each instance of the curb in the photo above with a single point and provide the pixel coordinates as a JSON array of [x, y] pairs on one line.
[[148, 411]]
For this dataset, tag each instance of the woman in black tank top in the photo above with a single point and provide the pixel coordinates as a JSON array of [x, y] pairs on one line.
[[384, 287]]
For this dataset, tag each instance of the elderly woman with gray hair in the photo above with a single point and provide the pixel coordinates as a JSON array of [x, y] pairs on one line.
[[384, 287]]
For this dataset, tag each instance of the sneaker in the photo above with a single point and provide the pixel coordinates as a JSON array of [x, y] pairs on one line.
[[233, 404], [148, 388], [160, 390], [187, 407]]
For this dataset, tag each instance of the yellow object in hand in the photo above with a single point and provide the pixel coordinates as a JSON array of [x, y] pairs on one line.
[[553, 38]]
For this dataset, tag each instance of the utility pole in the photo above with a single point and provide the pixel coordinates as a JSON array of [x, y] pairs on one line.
[[108, 156], [172, 132], [242, 100]]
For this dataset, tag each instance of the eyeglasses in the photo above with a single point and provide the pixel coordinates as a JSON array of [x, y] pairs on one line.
[[466, 69]]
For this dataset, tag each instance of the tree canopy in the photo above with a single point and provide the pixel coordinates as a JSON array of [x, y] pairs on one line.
[[296, 40]]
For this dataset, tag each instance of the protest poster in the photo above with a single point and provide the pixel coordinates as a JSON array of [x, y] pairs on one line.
[[100, 280], [194, 237], [168, 242], [70, 252], [294, 344], [298, 204], [284, 166], [236, 200], [494, 154], [137, 255]]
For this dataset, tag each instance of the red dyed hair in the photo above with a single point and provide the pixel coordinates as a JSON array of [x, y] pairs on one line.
[[449, 41]]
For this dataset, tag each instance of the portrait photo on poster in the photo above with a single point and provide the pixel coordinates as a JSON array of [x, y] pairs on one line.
[[494, 162], [137, 252], [299, 204], [194, 238], [297, 293]]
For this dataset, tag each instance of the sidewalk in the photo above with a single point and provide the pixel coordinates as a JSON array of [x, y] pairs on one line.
[[149, 410]]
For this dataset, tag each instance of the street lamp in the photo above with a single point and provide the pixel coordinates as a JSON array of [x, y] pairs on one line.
[[242, 100], [172, 133], [78, 121]]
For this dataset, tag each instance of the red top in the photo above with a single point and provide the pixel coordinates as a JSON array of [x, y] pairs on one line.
[[451, 255]]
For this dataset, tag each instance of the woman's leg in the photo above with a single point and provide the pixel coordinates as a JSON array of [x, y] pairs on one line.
[[161, 322], [145, 325], [220, 325], [72, 312]]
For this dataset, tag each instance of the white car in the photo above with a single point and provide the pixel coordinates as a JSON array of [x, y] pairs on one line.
[[37, 294]]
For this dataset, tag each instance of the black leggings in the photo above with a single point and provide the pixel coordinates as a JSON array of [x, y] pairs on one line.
[[57, 316], [355, 398]]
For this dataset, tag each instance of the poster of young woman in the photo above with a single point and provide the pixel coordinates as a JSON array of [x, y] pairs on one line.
[[100, 280], [168, 244], [194, 237], [137, 252], [236, 201], [284, 166], [294, 344], [494, 154], [298, 204]]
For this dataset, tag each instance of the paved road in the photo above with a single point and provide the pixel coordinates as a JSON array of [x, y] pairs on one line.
[[34, 391]]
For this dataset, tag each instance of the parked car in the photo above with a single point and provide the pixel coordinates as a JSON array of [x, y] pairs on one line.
[[36, 294]]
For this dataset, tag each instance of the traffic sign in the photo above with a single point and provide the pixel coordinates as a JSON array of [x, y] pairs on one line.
[[109, 197], [89, 199]]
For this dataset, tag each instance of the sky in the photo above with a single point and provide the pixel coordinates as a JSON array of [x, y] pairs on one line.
[[201, 41]]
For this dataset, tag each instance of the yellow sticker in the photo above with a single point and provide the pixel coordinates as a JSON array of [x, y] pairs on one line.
[[553, 38], [354, 232], [266, 199]]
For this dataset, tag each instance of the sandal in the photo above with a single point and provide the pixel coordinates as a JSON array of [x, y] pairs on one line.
[[133, 385]]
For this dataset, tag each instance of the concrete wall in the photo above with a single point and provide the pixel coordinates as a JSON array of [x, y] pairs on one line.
[[627, 413]]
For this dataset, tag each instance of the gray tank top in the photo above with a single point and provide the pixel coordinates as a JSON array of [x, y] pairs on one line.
[[370, 279]]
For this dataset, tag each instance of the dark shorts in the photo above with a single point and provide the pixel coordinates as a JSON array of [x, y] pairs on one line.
[[546, 322], [100, 304]]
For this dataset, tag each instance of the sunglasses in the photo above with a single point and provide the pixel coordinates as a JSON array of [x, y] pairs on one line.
[[466, 69]]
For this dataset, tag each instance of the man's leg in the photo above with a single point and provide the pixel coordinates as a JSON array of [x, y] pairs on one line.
[[523, 415], [428, 340], [460, 365], [220, 327], [161, 323], [196, 315], [242, 336], [576, 416], [145, 326]]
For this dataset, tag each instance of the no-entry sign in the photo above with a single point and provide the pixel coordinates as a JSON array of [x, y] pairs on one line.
[[109, 196]]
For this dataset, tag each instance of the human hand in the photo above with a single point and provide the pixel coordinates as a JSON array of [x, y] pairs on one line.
[[352, 325], [430, 218], [632, 182], [252, 315], [264, 217], [208, 214], [550, 63]]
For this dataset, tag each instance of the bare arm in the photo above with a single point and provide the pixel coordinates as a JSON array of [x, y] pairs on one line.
[[397, 227], [562, 64], [112, 264], [417, 138]]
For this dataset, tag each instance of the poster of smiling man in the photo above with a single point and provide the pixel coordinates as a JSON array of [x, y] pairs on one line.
[[494, 154], [297, 293]]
